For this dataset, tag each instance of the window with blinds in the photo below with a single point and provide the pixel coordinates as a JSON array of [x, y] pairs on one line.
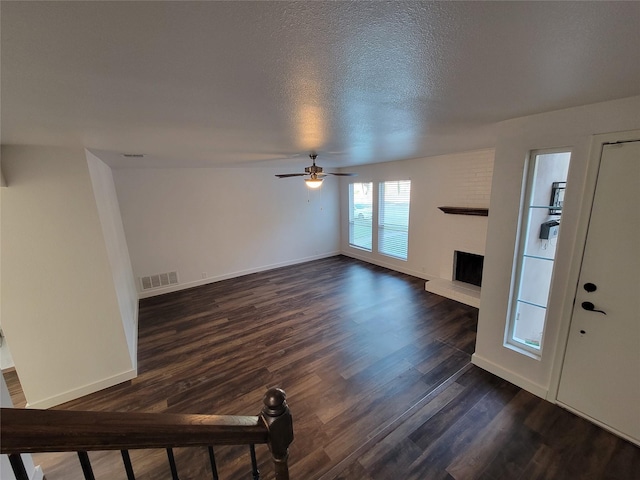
[[393, 218], [361, 215]]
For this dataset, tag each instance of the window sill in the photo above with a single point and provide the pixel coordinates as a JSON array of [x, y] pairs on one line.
[[522, 350]]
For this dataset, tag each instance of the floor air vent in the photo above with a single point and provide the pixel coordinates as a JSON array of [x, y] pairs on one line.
[[160, 280]]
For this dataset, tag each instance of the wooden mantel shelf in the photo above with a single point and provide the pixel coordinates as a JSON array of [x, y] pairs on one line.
[[480, 212]]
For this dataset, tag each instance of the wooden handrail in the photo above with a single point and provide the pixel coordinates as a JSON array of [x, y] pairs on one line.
[[32, 431]]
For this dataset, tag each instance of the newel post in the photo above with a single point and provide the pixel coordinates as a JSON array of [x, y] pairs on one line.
[[277, 417]]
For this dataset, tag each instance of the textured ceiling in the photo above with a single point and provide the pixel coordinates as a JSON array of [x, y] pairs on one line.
[[243, 83]]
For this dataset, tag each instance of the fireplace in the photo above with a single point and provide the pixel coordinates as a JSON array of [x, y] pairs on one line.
[[467, 267], [464, 286]]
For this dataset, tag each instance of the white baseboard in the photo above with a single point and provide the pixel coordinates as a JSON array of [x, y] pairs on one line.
[[205, 281], [82, 391], [509, 376], [390, 266]]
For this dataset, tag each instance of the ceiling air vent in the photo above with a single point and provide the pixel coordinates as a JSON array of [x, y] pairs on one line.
[[159, 280], [133, 155]]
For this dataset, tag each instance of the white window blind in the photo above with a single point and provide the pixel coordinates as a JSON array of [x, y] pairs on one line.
[[361, 215], [393, 218]]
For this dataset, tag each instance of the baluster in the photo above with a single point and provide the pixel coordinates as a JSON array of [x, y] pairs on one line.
[[86, 465], [212, 459], [18, 467], [172, 464], [254, 462], [126, 459], [277, 417]]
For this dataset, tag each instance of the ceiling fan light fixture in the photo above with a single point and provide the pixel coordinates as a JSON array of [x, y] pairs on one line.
[[313, 182], [315, 174]]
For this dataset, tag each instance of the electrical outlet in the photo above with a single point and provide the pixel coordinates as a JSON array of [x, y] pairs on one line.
[[204, 275]]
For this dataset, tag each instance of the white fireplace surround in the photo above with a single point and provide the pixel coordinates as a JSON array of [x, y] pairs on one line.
[[465, 234], [462, 292], [455, 290]]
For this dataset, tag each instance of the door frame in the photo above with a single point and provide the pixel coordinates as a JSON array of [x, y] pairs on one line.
[[589, 189]]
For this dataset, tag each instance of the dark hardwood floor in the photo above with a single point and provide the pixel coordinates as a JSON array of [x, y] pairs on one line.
[[378, 377]]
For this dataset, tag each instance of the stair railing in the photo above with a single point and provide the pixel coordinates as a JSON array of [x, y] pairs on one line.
[[34, 431]]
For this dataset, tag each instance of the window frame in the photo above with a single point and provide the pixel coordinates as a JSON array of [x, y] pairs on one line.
[[382, 206], [524, 220], [352, 223]]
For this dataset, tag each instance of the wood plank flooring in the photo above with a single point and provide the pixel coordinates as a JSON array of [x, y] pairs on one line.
[[378, 377]]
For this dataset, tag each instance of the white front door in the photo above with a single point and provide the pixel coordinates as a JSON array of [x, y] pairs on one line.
[[601, 371]]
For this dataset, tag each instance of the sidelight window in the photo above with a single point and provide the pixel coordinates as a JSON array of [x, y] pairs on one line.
[[540, 221]]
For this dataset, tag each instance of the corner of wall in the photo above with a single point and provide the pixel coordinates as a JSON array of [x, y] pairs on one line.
[[58, 320], [509, 375], [572, 128], [117, 251], [83, 390]]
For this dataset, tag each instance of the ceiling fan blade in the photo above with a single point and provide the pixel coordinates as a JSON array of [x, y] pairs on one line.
[[343, 174], [285, 175]]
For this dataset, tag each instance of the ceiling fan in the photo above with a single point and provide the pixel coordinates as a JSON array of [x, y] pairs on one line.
[[315, 174]]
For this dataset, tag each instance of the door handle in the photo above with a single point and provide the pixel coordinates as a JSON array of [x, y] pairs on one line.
[[592, 308]]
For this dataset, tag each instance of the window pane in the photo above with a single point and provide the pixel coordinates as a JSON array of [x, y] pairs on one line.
[[361, 215], [535, 280], [529, 324], [393, 218]]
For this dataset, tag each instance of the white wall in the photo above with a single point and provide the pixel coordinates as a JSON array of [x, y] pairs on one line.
[[459, 180], [6, 360], [109, 213], [570, 128], [59, 305], [223, 222]]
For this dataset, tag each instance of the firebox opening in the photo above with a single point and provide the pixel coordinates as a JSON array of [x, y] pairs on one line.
[[467, 267]]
